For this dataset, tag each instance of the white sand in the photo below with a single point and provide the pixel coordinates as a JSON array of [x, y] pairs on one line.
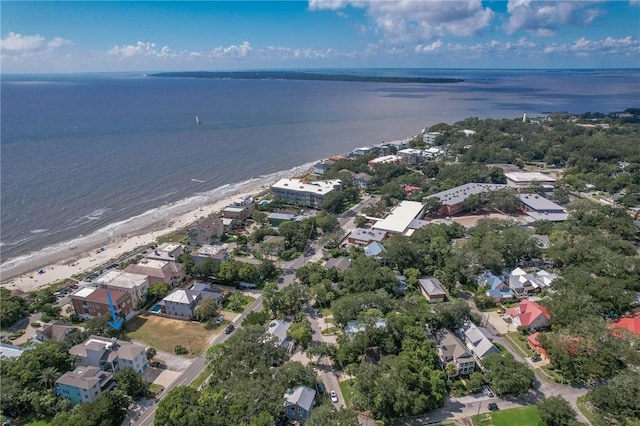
[[25, 277]]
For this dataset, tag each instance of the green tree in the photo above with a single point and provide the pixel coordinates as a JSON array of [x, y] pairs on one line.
[[618, 399], [556, 411], [151, 353], [301, 333], [12, 308], [180, 407], [158, 290], [130, 383], [507, 376], [48, 377], [206, 310], [327, 415]]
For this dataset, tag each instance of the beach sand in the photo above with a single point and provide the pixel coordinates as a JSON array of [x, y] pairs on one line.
[[60, 265]]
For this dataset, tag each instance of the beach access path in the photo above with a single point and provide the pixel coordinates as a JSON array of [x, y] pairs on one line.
[[83, 260]]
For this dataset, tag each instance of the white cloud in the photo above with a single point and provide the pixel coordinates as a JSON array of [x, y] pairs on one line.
[[30, 43], [232, 51], [543, 18], [433, 47], [144, 50], [410, 20], [610, 46], [282, 52]]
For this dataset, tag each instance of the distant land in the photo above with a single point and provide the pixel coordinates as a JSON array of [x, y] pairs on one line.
[[293, 75]]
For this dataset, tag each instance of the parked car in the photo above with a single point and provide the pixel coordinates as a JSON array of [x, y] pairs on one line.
[[229, 329], [219, 320], [493, 406], [334, 396], [487, 391], [536, 358], [320, 388], [501, 311]]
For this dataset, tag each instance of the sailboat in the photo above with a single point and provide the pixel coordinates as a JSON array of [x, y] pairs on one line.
[[197, 122]]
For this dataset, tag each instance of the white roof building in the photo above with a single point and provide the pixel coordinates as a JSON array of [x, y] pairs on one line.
[[520, 179], [304, 192], [400, 218]]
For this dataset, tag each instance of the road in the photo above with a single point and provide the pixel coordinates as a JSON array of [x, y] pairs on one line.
[[195, 368]]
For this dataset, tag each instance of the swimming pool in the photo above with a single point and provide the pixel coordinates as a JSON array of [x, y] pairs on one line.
[[156, 308]]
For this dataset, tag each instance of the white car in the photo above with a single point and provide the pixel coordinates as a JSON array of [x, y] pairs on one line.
[[334, 396]]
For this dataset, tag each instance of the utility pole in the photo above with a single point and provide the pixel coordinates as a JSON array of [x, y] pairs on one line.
[[190, 349]]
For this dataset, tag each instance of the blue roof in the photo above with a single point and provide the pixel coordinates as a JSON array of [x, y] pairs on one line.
[[374, 249]]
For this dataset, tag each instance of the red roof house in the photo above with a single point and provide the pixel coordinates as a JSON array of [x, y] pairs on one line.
[[631, 324], [534, 344], [530, 315]]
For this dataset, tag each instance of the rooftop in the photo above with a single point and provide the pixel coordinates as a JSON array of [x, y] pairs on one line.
[[522, 177], [363, 234], [460, 193], [122, 279], [432, 286], [539, 203], [318, 186], [83, 377], [302, 396], [400, 218], [181, 296]]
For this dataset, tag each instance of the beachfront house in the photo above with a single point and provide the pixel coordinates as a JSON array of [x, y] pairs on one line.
[[89, 302], [208, 230], [135, 285], [159, 271], [84, 384], [217, 253], [111, 354], [166, 251]]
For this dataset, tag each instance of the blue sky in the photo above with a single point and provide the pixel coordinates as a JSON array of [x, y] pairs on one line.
[[80, 36]]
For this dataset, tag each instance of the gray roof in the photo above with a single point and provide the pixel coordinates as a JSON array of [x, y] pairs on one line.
[[279, 330], [84, 377], [10, 351], [432, 286], [540, 204], [341, 263], [374, 249], [450, 348], [302, 396], [460, 193], [281, 216], [363, 234]]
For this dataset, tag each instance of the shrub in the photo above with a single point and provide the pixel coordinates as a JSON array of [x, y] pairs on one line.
[[180, 350]]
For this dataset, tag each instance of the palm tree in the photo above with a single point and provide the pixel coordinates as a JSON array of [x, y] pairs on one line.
[[49, 376], [451, 369]]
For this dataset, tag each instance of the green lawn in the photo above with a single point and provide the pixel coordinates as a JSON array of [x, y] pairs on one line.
[[237, 303], [347, 389], [519, 345], [525, 416], [585, 410]]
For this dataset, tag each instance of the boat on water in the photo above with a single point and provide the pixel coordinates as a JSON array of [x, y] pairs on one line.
[[197, 122]]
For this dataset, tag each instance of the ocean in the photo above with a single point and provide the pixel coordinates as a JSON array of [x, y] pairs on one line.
[[100, 155]]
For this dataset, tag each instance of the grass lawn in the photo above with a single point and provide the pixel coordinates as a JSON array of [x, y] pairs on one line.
[[525, 416], [172, 238], [347, 389], [200, 379], [165, 333], [522, 347], [585, 410], [329, 331], [237, 303]]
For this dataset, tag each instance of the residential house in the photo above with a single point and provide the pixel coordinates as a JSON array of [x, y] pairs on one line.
[[432, 289], [374, 249], [279, 329], [206, 292], [299, 402], [84, 384], [530, 315], [135, 285], [89, 302], [534, 344], [321, 167], [339, 263], [303, 192], [208, 230], [10, 351], [159, 271], [523, 283], [217, 253], [276, 219], [398, 221], [272, 245], [241, 209], [411, 156], [433, 152], [452, 350], [545, 278], [166, 251], [111, 354], [478, 340], [362, 179], [181, 303], [452, 199], [400, 144], [364, 236], [56, 330], [631, 324], [363, 151], [354, 327], [497, 289]]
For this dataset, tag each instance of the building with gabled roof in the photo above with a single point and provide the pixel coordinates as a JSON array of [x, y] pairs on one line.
[[432, 289], [299, 402], [478, 340], [111, 354], [279, 329], [158, 271], [181, 303], [530, 315], [450, 349], [364, 236], [452, 199], [89, 302], [84, 384], [56, 330]]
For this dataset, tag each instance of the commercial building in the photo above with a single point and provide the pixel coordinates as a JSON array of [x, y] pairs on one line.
[[527, 179], [452, 199], [539, 208], [302, 192], [386, 159], [363, 236], [398, 221], [430, 137], [411, 156]]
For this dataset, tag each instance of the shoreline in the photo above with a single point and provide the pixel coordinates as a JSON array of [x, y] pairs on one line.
[[87, 257]]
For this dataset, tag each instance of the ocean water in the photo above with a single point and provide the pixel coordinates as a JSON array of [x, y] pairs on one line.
[[100, 155]]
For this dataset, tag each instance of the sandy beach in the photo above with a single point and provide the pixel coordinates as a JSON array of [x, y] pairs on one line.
[[82, 259]]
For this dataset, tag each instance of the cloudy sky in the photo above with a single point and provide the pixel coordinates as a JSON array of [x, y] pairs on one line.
[[79, 36]]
